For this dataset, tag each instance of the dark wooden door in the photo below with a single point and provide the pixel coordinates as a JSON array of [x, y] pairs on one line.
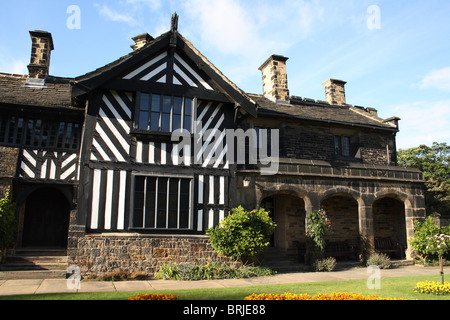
[[46, 219]]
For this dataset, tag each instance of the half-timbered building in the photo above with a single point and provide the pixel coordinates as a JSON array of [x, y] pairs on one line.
[[135, 158]]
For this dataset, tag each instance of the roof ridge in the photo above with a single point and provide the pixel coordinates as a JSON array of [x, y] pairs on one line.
[[364, 113]]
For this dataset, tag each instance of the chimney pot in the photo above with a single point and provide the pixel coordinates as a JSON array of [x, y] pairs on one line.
[[274, 77], [141, 40], [38, 69], [335, 91]]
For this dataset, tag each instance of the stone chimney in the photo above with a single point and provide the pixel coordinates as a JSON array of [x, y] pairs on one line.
[[41, 48], [274, 76], [141, 40], [335, 91]]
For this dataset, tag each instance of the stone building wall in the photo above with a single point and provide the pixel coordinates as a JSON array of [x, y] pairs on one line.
[[303, 140], [101, 253], [350, 193]]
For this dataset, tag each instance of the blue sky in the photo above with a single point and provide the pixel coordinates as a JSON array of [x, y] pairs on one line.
[[396, 59]]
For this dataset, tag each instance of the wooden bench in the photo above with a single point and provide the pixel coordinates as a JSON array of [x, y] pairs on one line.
[[298, 249], [387, 246], [339, 249]]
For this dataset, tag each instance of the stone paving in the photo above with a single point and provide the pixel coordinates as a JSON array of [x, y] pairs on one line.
[[41, 286]]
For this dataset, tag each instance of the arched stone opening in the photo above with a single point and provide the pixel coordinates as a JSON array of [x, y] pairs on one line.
[[343, 241], [389, 225], [289, 213]]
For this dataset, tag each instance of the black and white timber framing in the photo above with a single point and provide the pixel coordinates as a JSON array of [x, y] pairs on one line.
[[130, 177]]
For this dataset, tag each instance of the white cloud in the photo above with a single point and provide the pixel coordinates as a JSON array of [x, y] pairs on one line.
[[241, 35], [113, 15], [422, 122], [132, 12], [439, 78], [11, 65], [246, 28]]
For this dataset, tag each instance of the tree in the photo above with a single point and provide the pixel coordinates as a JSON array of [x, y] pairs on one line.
[[7, 224], [439, 245], [434, 162]]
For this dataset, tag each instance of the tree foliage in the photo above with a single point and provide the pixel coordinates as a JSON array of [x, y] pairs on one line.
[[7, 223], [434, 162], [318, 226]]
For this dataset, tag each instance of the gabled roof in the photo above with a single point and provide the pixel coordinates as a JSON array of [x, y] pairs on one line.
[[307, 109], [92, 80]]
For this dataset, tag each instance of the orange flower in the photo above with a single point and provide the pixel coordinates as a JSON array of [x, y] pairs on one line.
[[319, 296], [154, 296]]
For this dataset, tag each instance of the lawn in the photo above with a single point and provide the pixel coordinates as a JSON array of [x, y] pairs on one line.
[[399, 287]]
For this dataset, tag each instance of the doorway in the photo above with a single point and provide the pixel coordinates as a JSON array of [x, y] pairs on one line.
[[288, 212], [46, 219]]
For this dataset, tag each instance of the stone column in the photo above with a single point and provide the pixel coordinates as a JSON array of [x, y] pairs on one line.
[[366, 230]]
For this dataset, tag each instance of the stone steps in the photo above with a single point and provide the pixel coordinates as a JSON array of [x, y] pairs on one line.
[[35, 264], [276, 260]]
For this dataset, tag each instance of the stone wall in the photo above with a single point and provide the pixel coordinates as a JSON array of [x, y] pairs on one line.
[[101, 253], [350, 193], [301, 140]]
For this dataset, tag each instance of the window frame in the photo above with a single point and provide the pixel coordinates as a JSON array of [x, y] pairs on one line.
[[342, 146], [166, 227], [150, 110], [39, 133]]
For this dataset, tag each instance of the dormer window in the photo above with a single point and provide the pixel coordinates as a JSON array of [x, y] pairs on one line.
[[163, 113], [346, 145], [342, 146]]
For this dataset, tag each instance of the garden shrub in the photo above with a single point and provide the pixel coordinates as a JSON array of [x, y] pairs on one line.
[[423, 230], [8, 224], [325, 265], [380, 260], [120, 275], [209, 271], [242, 235], [318, 226]]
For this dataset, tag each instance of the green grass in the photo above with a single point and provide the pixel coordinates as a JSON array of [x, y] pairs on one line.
[[400, 287]]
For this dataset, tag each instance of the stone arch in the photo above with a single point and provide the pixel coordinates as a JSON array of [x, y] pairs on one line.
[[393, 219], [285, 189], [356, 195], [288, 207], [342, 206]]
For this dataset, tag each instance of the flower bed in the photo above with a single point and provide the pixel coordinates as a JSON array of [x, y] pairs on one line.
[[433, 287], [319, 296], [154, 296]]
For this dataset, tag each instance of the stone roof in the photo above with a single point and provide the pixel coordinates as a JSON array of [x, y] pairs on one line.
[[56, 93], [308, 109]]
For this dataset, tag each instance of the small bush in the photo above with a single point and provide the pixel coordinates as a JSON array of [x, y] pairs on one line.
[[209, 271], [242, 234], [120, 275], [325, 265], [8, 224], [380, 260]]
